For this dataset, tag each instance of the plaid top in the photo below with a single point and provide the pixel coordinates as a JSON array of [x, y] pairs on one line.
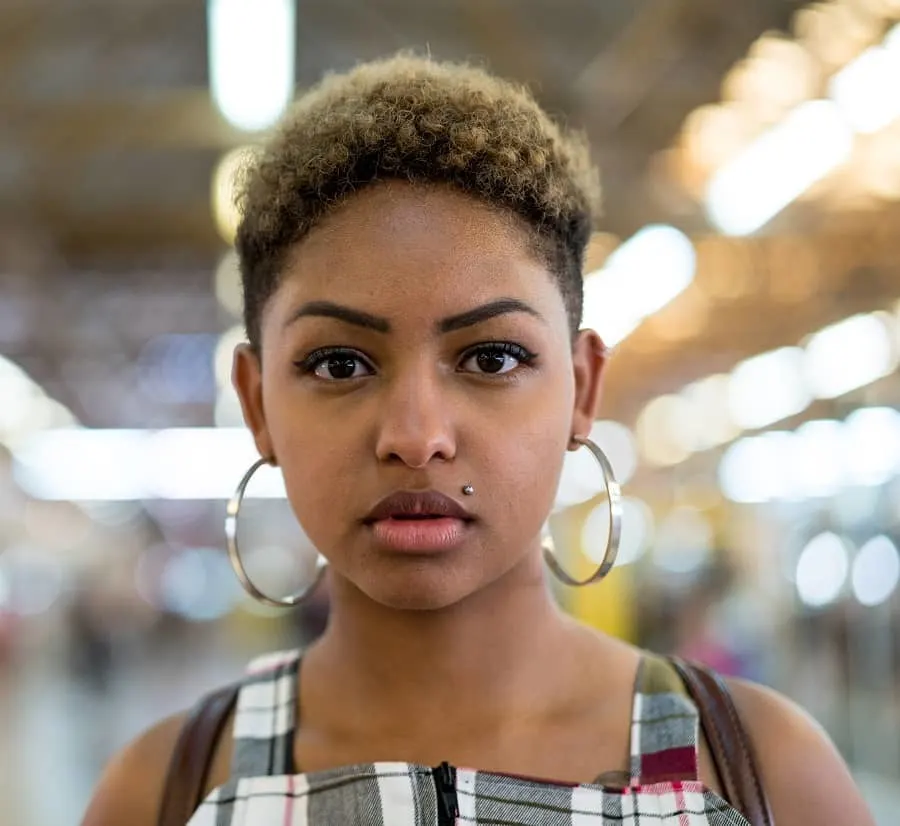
[[664, 789]]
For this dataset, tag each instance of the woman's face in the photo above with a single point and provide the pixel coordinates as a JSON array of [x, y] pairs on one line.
[[416, 344]]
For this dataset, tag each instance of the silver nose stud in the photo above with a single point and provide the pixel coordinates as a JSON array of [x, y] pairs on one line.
[[468, 490]]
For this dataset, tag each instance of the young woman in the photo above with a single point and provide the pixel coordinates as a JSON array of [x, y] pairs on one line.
[[411, 249]]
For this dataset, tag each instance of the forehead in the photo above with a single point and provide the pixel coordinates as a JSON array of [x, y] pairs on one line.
[[428, 251]]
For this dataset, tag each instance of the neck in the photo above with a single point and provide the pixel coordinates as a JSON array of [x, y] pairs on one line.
[[501, 652]]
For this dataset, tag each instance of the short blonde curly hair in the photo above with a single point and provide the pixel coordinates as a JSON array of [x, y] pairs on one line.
[[414, 119]]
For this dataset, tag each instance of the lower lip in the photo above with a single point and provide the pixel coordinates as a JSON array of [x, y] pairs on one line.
[[419, 535]]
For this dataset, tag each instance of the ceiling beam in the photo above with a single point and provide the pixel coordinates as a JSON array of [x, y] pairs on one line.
[[184, 118], [618, 79], [130, 234]]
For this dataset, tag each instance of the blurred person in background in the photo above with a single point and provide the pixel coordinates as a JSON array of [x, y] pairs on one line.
[[699, 632], [90, 640], [8, 627], [411, 248]]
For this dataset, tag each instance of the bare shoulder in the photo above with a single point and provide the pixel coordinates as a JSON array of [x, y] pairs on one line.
[[131, 787], [804, 775]]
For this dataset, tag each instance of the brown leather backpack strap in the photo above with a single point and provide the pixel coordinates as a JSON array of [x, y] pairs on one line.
[[728, 741], [193, 754]]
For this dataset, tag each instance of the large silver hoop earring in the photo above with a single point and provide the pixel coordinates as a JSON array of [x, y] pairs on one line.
[[232, 511], [614, 501]]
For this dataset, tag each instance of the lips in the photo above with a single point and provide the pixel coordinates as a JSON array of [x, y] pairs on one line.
[[417, 505]]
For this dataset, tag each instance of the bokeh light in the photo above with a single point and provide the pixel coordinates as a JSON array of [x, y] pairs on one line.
[[822, 570], [876, 571], [224, 190]]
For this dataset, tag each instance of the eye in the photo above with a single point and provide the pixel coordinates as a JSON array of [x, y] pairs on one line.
[[497, 358], [335, 364]]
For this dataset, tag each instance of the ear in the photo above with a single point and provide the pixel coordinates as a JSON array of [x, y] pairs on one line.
[[246, 376], [589, 358]]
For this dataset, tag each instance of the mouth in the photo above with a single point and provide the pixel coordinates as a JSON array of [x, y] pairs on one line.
[[410, 518], [420, 534], [418, 522], [417, 506]]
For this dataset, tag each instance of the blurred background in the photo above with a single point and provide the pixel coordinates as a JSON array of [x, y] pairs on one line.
[[748, 275]]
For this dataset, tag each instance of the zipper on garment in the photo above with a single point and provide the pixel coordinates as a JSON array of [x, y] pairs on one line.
[[447, 802]]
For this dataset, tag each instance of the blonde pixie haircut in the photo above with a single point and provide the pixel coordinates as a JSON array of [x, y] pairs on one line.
[[418, 120]]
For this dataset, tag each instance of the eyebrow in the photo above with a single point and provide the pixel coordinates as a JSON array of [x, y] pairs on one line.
[[469, 318]]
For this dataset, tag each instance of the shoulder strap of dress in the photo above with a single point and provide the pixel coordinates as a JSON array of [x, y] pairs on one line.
[[264, 704], [664, 726], [731, 749], [265, 718], [191, 760]]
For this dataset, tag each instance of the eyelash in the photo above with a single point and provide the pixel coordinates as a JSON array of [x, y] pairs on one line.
[[526, 358]]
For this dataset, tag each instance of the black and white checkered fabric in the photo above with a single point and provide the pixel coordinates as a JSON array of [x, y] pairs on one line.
[[265, 791]]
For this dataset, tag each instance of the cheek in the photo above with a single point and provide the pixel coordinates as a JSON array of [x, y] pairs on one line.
[[526, 471], [318, 480], [532, 475], [314, 457]]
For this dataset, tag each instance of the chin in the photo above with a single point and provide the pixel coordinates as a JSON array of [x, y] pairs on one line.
[[421, 587], [416, 602]]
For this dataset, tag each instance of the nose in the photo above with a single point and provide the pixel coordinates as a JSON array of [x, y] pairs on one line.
[[415, 425]]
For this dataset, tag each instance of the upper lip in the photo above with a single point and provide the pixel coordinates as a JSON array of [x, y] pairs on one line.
[[417, 503]]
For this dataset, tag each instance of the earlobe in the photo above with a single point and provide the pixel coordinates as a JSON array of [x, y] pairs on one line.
[[589, 357], [246, 377]]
